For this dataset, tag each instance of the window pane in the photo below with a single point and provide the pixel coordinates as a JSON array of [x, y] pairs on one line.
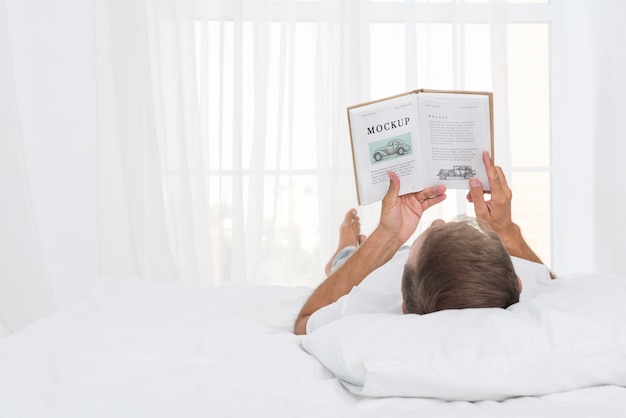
[[477, 57], [290, 113], [531, 210], [225, 150], [302, 133], [215, 90], [276, 97], [435, 56], [387, 59], [529, 94]]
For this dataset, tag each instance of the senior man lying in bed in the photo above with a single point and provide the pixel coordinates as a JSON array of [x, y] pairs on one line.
[[450, 266]]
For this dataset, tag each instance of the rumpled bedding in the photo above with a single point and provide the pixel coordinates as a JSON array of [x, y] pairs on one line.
[[134, 348]]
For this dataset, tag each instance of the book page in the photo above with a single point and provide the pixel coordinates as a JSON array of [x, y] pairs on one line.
[[385, 137], [456, 129]]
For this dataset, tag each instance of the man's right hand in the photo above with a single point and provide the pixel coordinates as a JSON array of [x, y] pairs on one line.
[[400, 215]]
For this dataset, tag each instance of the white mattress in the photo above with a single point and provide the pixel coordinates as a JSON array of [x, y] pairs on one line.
[[138, 349]]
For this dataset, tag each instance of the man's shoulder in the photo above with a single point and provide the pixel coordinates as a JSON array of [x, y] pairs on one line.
[[535, 277], [379, 292], [388, 277]]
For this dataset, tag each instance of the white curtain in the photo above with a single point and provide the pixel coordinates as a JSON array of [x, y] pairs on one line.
[[212, 143], [609, 119], [233, 126], [588, 137], [24, 290]]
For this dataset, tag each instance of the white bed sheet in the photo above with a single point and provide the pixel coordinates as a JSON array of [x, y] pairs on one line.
[[139, 349]]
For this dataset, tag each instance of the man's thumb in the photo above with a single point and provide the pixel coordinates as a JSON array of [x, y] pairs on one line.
[[394, 184]]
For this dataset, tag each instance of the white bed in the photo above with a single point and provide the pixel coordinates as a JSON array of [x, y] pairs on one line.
[[139, 349]]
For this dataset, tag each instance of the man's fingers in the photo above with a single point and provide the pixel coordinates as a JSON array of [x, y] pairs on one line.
[[476, 194], [431, 192], [500, 191], [430, 196], [432, 201], [487, 161], [492, 174], [503, 183]]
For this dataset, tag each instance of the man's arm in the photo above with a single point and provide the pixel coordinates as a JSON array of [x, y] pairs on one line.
[[373, 253], [399, 218], [497, 211]]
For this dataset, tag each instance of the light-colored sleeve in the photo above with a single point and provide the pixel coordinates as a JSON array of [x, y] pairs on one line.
[[380, 292], [326, 315], [535, 277]]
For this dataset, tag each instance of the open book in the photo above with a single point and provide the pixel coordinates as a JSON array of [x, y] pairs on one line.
[[427, 137]]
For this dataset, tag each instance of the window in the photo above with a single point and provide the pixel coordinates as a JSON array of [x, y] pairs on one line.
[[272, 153], [458, 55], [529, 122]]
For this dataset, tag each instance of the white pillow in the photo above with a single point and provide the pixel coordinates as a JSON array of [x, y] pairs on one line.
[[571, 337]]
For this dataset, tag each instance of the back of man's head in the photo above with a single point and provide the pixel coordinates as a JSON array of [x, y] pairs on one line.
[[460, 265]]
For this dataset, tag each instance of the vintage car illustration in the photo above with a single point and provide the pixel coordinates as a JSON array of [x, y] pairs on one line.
[[458, 171], [393, 147]]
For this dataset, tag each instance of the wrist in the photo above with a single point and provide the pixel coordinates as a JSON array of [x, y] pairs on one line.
[[514, 241], [511, 236], [387, 243]]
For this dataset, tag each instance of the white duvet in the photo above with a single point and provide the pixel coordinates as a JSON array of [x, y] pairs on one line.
[[137, 349]]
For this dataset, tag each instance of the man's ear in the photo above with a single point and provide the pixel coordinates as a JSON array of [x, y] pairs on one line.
[[403, 309], [519, 282]]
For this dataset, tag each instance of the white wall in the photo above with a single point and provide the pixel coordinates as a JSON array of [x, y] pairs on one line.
[[53, 55]]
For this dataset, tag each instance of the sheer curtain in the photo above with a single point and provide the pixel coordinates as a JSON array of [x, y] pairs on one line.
[[589, 147], [212, 146], [233, 127], [24, 291], [610, 137]]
